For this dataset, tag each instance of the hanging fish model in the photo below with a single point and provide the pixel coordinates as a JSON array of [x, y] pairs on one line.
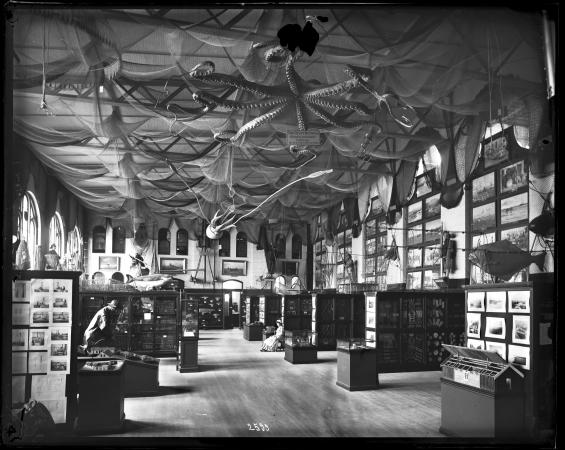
[[503, 259], [544, 224], [149, 282]]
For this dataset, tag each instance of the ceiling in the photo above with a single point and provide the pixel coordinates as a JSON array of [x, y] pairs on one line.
[[105, 99]]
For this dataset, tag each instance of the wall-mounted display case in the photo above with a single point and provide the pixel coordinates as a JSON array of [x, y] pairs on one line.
[[45, 334], [337, 316], [300, 346], [187, 356], [410, 326], [517, 321], [357, 364]]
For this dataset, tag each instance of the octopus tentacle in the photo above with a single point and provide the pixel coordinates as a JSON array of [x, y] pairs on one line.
[[339, 123], [340, 104], [205, 98], [258, 121], [300, 116], [291, 75], [335, 89]]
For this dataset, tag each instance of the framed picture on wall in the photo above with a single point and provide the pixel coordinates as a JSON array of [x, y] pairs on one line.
[[172, 265], [109, 262], [234, 268], [289, 268]]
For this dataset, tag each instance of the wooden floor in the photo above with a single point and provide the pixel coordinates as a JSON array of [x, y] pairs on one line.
[[238, 386]]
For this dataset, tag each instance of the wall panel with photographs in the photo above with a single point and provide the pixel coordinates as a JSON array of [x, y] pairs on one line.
[[423, 236], [410, 326], [376, 246], [44, 340], [516, 320], [499, 202]]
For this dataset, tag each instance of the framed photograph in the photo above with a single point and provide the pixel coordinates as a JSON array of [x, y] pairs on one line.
[[521, 329], [414, 280], [59, 349], [429, 276], [20, 291], [65, 286], [60, 302], [39, 318], [371, 301], [484, 217], [370, 246], [20, 313], [422, 187], [59, 365], [234, 268], [38, 339], [513, 177], [172, 265], [475, 301], [61, 317], [414, 257], [519, 356], [495, 150], [519, 301], [514, 209], [109, 262], [483, 188], [414, 212], [37, 362], [433, 231], [433, 206], [20, 339], [40, 302], [41, 285], [476, 344], [473, 325], [370, 337], [59, 334], [496, 301], [495, 327], [496, 347], [415, 235], [518, 236]]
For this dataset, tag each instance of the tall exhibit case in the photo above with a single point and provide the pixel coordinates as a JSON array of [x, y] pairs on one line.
[[297, 311], [45, 336], [517, 321], [253, 327], [187, 357], [337, 316], [410, 327], [148, 321]]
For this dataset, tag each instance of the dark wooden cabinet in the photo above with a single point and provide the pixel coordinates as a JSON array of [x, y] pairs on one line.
[[297, 312], [187, 354], [410, 326], [337, 316], [148, 322], [270, 309]]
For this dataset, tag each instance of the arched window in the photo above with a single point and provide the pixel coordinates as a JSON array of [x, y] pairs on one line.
[[29, 225], [224, 243], [296, 247], [75, 249], [118, 239], [241, 245], [99, 239], [182, 242], [280, 246], [56, 234], [164, 241]]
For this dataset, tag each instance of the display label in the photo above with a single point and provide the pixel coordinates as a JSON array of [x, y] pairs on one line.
[[467, 377], [303, 138]]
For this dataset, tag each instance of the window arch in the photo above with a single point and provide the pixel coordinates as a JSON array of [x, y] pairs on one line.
[[29, 225], [296, 247], [225, 247], [75, 249], [280, 246], [118, 239], [164, 241], [56, 234], [182, 242], [99, 239], [241, 245]]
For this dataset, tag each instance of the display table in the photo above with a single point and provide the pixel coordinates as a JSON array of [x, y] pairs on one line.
[[252, 332], [300, 346], [481, 395], [101, 396], [357, 364]]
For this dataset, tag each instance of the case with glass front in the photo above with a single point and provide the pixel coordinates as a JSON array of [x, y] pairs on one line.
[[357, 364], [187, 355], [300, 346]]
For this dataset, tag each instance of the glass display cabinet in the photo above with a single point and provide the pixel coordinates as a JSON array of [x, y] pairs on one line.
[[253, 326], [187, 357], [357, 364], [300, 346]]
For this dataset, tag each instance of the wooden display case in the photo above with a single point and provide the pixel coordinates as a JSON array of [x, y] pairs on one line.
[[337, 316], [517, 320], [300, 346], [44, 324], [187, 357], [357, 364], [297, 311], [270, 309], [481, 395], [410, 326]]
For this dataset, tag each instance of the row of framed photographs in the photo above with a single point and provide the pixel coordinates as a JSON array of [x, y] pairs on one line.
[[495, 327], [513, 301], [512, 209], [518, 355], [430, 207], [511, 178]]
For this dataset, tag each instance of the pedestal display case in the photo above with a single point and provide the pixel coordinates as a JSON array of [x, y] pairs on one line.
[[517, 321], [101, 397], [300, 346], [481, 395], [337, 316], [187, 357], [357, 364], [410, 326], [253, 327], [44, 339]]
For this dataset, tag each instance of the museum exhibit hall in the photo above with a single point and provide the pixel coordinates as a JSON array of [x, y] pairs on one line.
[[293, 221]]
